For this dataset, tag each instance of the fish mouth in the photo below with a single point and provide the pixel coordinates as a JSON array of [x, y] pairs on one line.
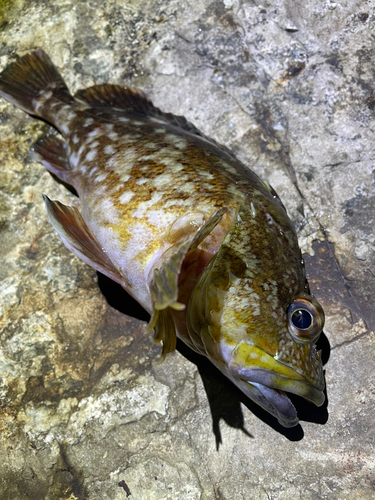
[[265, 380], [274, 401]]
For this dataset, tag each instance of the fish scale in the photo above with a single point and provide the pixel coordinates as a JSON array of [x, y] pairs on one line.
[[189, 231]]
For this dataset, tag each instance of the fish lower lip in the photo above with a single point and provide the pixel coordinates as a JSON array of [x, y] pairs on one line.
[[275, 402], [267, 389], [273, 381]]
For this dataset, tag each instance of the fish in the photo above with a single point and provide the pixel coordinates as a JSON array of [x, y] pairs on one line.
[[191, 233]]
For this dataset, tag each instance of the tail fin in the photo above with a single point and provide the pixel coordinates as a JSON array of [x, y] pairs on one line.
[[31, 81]]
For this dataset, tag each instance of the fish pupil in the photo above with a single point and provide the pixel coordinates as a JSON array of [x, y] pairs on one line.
[[302, 319]]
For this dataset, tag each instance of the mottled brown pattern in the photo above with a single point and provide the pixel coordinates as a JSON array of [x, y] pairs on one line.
[[149, 182], [262, 251], [269, 250]]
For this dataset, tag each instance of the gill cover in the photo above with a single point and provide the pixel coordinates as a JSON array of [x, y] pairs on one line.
[[164, 283]]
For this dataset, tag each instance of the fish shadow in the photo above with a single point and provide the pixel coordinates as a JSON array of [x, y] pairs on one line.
[[224, 398], [225, 401], [119, 299]]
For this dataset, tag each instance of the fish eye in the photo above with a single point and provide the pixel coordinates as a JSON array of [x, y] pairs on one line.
[[301, 319], [305, 318]]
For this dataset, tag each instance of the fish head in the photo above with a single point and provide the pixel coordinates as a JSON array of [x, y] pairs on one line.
[[268, 357], [259, 325], [265, 367]]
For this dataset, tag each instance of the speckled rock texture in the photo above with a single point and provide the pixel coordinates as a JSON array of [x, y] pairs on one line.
[[86, 411]]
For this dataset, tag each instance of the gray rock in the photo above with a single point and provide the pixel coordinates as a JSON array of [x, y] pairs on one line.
[[86, 411]]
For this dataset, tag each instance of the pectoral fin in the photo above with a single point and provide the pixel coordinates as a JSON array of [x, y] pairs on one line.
[[164, 283], [51, 152], [77, 237]]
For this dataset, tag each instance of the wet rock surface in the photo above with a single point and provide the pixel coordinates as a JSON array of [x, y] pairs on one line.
[[86, 412]]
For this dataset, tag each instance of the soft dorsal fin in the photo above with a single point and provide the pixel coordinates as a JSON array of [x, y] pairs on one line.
[[164, 283], [116, 96], [77, 237]]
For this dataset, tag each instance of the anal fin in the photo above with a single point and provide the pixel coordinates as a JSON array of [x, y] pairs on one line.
[[164, 283], [51, 152], [78, 238]]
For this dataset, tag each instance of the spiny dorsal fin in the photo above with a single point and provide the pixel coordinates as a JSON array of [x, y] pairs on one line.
[[114, 96], [164, 283], [107, 95], [78, 238]]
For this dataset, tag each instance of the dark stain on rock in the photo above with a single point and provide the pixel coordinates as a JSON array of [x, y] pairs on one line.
[[363, 16], [125, 487], [268, 143], [334, 61], [226, 50], [4, 117], [122, 341], [46, 388], [67, 482], [23, 485], [228, 21], [309, 176], [218, 494], [330, 284], [226, 54], [359, 212], [214, 11], [113, 338], [246, 56], [35, 390], [32, 251], [271, 141], [294, 70], [291, 30]]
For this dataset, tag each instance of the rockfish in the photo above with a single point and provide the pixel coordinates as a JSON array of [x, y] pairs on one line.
[[192, 234]]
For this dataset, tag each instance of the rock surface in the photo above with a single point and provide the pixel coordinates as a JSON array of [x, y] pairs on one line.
[[86, 412]]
